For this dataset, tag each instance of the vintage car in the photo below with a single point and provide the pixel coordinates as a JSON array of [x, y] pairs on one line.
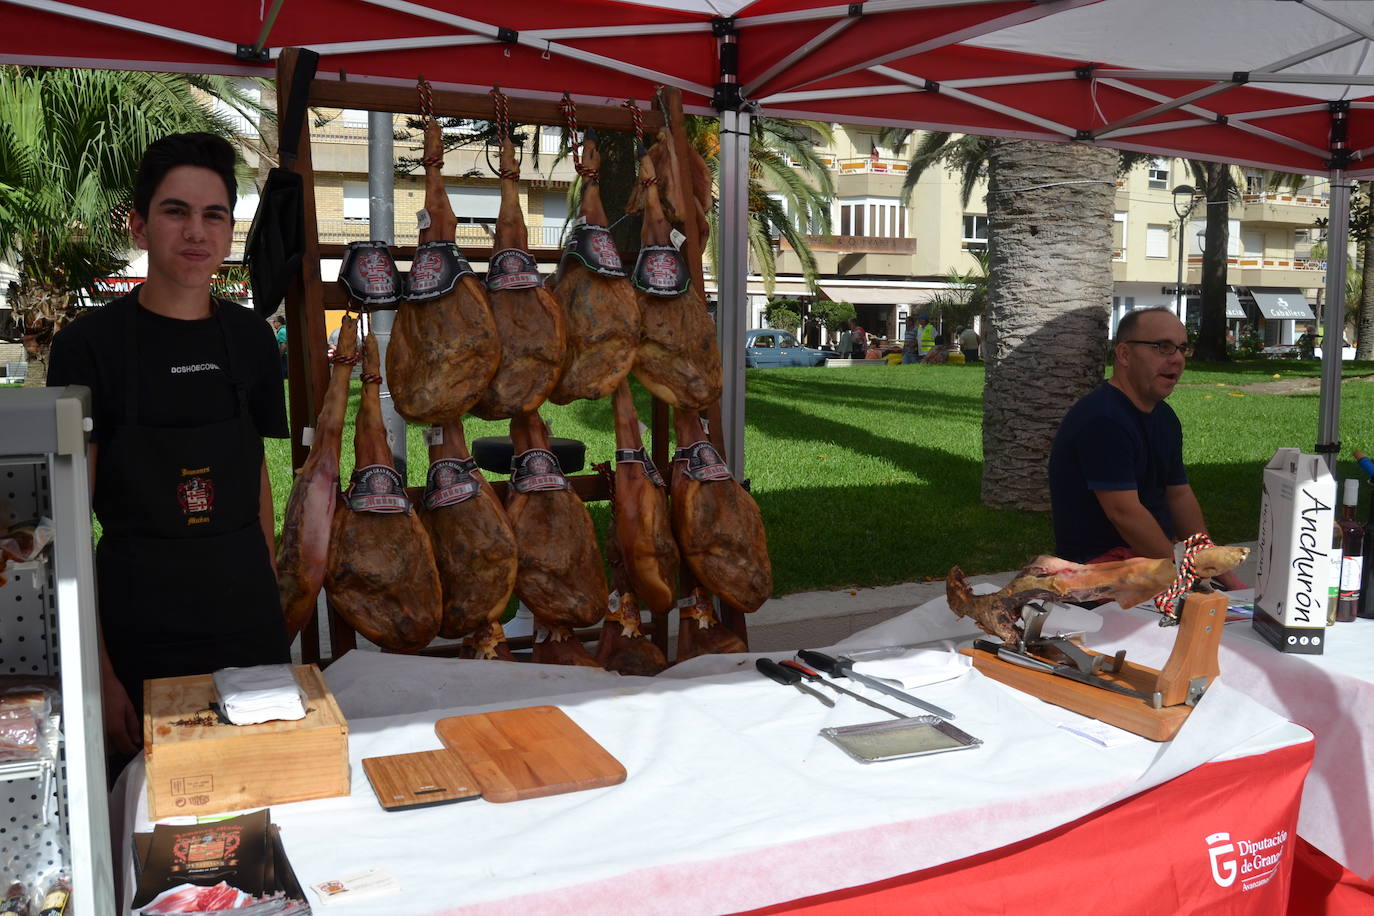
[[769, 348]]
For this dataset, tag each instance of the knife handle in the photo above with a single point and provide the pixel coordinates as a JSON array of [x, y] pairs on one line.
[[801, 669], [821, 662], [777, 672]]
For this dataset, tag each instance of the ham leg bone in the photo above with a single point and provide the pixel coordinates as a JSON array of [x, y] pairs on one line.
[[1127, 582]]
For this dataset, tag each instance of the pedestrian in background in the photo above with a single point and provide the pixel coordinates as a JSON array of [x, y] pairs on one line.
[[279, 323], [968, 344]]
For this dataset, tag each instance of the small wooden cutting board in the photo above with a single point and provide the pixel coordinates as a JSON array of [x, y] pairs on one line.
[[528, 753], [419, 780]]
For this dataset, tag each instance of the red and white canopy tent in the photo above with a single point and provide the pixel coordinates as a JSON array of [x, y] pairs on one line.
[[1274, 84]]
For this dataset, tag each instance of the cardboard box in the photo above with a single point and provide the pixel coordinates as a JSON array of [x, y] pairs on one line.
[[198, 764], [1297, 513]]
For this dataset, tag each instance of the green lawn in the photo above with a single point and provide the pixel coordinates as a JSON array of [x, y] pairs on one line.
[[870, 475]]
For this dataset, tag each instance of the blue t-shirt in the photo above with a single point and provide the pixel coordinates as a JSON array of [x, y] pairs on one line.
[[1106, 443]]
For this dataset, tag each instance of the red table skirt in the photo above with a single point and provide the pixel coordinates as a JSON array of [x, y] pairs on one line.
[[1220, 839], [1322, 887]]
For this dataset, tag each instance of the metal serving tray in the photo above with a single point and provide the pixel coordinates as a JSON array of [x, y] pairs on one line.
[[916, 736]]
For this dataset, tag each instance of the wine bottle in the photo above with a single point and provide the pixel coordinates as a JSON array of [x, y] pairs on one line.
[[1352, 554], [1366, 602], [1333, 575]]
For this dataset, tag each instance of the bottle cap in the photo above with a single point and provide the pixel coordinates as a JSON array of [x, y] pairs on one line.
[[1352, 491]]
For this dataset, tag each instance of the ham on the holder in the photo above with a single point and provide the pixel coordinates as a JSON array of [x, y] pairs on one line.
[[599, 303], [474, 546], [303, 548], [561, 578], [381, 575], [443, 349], [641, 526]]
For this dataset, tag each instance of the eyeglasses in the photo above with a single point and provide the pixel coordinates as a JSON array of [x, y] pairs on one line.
[[1165, 347]]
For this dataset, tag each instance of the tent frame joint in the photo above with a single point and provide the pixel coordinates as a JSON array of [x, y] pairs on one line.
[[722, 26], [509, 36], [1240, 77], [251, 52], [1328, 448], [855, 10]]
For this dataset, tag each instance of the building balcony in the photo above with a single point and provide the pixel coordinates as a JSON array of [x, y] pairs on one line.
[[858, 244], [1282, 209], [1251, 270], [868, 165]]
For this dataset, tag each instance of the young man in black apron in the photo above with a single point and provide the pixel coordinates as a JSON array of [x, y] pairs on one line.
[[184, 387]]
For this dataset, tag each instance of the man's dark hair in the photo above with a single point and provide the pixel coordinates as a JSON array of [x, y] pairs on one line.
[[1126, 328], [199, 149]]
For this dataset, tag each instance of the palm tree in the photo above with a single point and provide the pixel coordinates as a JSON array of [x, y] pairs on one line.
[[70, 144], [1049, 284]]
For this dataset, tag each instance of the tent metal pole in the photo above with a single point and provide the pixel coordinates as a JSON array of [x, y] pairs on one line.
[[1337, 243], [381, 224], [732, 309]]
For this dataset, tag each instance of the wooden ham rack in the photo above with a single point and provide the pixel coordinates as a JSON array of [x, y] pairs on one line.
[[308, 297]]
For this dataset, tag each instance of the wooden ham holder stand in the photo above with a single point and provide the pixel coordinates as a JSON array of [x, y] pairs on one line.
[[308, 297], [1189, 671]]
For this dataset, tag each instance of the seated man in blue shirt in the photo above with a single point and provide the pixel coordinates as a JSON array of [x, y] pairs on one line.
[[1117, 484]]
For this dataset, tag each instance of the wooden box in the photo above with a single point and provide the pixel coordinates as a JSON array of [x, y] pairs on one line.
[[197, 764]]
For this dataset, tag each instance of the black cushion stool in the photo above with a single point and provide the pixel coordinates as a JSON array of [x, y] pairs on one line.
[[494, 453]]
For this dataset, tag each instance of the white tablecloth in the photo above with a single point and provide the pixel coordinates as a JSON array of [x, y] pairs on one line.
[[1332, 695], [733, 800]]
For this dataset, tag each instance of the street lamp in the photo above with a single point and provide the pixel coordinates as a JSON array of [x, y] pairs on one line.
[[1181, 193]]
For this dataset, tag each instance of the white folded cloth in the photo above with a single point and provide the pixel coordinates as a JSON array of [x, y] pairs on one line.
[[912, 668], [261, 693]]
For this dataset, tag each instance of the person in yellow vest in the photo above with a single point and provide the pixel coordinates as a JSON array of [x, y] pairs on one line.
[[918, 339]]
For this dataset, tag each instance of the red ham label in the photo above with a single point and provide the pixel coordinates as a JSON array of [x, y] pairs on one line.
[[640, 456], [594, 248], [450, 482], [377, 488], [435, 271], [535, 470], [703, 462], [513, 269], [369, 274], [661, 271]]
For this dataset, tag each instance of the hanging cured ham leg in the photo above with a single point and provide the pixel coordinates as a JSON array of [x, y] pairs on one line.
[[443, 350], [718, 525], [303, 549], [700, 632], [529, 322], [474, 546], [623, 647], [598, 300], [381, 575], [560, 577], [679, 358], [641, 525]]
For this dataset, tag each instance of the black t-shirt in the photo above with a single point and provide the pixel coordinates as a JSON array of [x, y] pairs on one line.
[[1106, 443], [181, 365]]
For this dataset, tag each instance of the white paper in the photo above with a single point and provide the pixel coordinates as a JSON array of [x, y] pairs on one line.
[[914, 668], [358, 886]]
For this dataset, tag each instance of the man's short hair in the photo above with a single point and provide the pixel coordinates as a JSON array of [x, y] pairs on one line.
[[1126, 328], [199, 149]]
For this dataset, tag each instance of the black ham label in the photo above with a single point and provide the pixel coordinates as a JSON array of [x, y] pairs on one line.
[[451, 481], [640, 456], [369, 274], [536, 470], [703, 462], [435, 271], [661, 271], [594, 247], [377, 488], [513, 269]]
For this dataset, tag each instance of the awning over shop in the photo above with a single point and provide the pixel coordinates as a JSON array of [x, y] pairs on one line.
[[879, 294], [1282, 304], [1233, 307]]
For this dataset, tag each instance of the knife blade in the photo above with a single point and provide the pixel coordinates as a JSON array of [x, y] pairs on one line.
[[813, 676], [844, 667], [1011, 656], [787, 676]]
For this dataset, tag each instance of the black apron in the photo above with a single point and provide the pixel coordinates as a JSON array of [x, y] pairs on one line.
[[184, 577]]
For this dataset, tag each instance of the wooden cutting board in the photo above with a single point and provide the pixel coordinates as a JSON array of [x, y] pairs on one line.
[[528, 753], [419, 780]]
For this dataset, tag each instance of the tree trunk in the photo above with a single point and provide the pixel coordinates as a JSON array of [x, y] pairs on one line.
[[1364, 345], [1211, 342], [1049, 284]]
